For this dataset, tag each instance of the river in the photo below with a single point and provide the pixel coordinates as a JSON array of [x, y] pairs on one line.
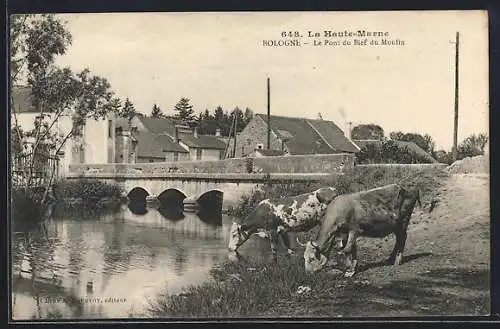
[[108, 267]]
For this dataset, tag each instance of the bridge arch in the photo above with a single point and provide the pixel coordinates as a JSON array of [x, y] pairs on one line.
[[171, 196], [211, 201], [137, 194]]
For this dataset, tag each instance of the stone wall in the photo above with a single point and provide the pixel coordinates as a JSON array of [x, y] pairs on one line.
[[254, 133], [329, 163]]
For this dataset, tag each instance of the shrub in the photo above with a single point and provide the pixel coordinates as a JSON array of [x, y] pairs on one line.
[[86, 189]]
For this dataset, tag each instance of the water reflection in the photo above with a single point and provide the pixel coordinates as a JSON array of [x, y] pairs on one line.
[[70, 267], [138, 207], [171, 212]]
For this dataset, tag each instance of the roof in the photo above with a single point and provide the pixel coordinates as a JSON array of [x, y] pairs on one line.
[[269, 153], [333, 135], [169, 145], [157, 126], [23, 100], [148, 145], [154, 145], [305, 136], [203, 141], [410, 145]]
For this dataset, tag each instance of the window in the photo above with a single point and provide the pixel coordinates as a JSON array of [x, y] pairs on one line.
[[198, 154], [110, 130], [151, 160]]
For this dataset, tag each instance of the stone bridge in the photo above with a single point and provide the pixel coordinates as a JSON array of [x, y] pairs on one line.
[[202, 188], [207, 183]]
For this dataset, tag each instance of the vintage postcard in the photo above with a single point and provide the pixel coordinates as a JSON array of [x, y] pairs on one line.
[[249, 165]]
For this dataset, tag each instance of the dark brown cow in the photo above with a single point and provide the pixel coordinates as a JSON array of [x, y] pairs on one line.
[[273, 217], [373, 213]]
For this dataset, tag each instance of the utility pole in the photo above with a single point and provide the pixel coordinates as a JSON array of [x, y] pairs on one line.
[[268, 114], [235, 130], [455, 123]]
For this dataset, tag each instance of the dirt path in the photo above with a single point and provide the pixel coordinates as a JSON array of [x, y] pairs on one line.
[[446, 268]]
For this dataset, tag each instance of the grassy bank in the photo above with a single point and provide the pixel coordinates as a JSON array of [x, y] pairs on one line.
[[81, 197], [248, 289]]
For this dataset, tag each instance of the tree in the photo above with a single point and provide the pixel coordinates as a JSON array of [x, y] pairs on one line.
[[425, 142], [157, 113], [367, 131], [128, 111], [35, 42], [472, 145], [184, 110]]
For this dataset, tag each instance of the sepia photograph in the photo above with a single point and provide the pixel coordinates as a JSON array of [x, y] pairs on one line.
[[236, 165]]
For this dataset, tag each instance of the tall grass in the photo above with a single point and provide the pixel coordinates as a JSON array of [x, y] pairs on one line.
[[260, 285], [239, 290]]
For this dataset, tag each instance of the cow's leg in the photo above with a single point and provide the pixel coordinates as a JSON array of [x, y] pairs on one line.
[[286, 241], [397, 253], [351, 241], [273, 240], [352, 261]]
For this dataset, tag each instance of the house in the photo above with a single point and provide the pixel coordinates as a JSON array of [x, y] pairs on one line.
[[294, 136], [410, 145], [95, 145], [176, 140]]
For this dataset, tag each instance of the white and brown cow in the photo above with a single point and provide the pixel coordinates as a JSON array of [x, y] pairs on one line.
[[278, 216], [372, 213]]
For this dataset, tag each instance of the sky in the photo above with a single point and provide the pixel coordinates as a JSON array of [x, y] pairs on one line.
[[219, 59]]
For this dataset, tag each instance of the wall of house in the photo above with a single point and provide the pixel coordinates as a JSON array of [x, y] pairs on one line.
[[254, 133], [207, 154], [170, 157], [97, 141], [149, 159]]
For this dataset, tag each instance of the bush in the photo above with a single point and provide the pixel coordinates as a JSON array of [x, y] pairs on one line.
[[86, 189]]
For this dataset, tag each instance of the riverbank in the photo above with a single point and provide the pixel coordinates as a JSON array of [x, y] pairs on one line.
[[83, 197], [445, 270]]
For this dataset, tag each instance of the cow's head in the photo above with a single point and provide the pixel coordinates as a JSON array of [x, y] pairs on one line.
[[237, 235], [314, 260], [326, 194]]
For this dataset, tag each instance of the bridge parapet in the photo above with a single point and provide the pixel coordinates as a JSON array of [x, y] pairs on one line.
[[217, 177], [314, 163]]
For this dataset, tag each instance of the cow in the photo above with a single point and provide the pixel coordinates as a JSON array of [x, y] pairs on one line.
[[278, 216], [372, 213]]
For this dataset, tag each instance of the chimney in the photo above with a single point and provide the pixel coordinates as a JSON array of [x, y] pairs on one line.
[[195, 132], [217, 132], [176, 136]]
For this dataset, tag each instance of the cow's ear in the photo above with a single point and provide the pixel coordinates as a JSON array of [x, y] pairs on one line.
[[326, 195]]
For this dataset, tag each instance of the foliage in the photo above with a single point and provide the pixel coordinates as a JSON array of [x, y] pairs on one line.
[[208, 122], [388, 151], [36, 40], [128, 110], [367, 131], [86, 189], [184, 110], [156, 112], [425, 142], [472, 145]]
